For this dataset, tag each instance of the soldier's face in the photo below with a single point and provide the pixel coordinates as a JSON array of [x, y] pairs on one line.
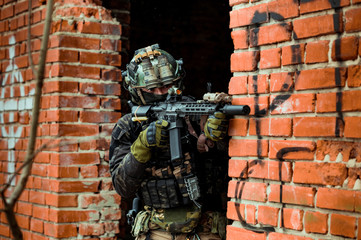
[[158, 91]]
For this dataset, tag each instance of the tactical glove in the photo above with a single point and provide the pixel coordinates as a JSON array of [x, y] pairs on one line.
[[216, 126], [155, 135]]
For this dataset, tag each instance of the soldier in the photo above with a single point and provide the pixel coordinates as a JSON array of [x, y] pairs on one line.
[[180, 201]]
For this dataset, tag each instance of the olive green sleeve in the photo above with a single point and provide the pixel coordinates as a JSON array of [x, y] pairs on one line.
[[125, 170]]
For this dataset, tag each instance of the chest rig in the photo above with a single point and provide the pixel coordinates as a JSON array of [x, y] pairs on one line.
[[169, 183]]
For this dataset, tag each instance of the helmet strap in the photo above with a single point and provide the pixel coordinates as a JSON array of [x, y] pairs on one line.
[[141, 96]]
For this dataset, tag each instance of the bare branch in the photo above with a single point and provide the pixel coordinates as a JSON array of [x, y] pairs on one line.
[[19, 188]]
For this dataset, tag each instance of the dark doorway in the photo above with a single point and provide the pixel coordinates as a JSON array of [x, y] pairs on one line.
[[196, 31]]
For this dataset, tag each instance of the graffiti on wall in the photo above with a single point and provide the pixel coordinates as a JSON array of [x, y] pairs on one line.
[[10, 104], [277, 102]]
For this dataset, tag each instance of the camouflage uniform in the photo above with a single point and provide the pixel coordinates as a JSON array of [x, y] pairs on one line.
[[128, 176]]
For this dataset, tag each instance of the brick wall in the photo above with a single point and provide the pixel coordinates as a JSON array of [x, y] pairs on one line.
[[69, 194], [295, 163]]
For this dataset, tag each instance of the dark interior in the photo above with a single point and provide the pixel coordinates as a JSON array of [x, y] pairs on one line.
[[196, 31]]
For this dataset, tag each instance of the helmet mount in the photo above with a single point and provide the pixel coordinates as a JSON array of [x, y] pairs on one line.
[[151, 67]]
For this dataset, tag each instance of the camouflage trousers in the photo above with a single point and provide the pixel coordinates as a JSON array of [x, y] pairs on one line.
[[163, 235]]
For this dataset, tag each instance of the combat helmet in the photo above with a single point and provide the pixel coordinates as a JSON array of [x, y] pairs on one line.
[[152, 67]]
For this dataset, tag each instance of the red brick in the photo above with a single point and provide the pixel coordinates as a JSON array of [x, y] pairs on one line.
[[112, 75], [23, 221], [247, 16], [292, 195], [77, 12], [89, 171], [235, 2], [336, 199], [111, 213], [238, 127], [353, 20], [317, 127], [91, 229], [21, 61], [295, 103], [251, 214], [73, 130], [354, 76], [79, 102], [104, 199], [282, 236], [270, 58], [75, 71], [236, 233], [56, 55], [57, 200], [36, 225], [345, 49], [99, 28], [266, 169], [111, 44], [60, 230], [21, 7], [292, 218], [36, 197], [316, 222], [63, 172], [317, 26], [235, 211], [7, 12], [281, 82], [245, 147], [258, 104], [73, 186], [60, 86], [270, 34], [100, 89], [244, 61], [320, 78], [74, 42], [311, 6], [334, 148], [40, 212], [65, 216], [5, 230], [99, 58], [237, 168], [352, 127], [293, 54], [319, 173], [283, 9], [66, 159], [268, 215], [271, 126], [342, 225], [343, 101], [58, 116], [99, 117], [287, 149], [110, 103], [258, 84], [247, 191], [24, 208], [240, 39]]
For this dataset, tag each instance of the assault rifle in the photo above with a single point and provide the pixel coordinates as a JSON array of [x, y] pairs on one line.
[[174, 110]]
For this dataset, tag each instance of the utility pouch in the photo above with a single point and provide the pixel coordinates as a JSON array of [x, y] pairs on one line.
[[141, 223]]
